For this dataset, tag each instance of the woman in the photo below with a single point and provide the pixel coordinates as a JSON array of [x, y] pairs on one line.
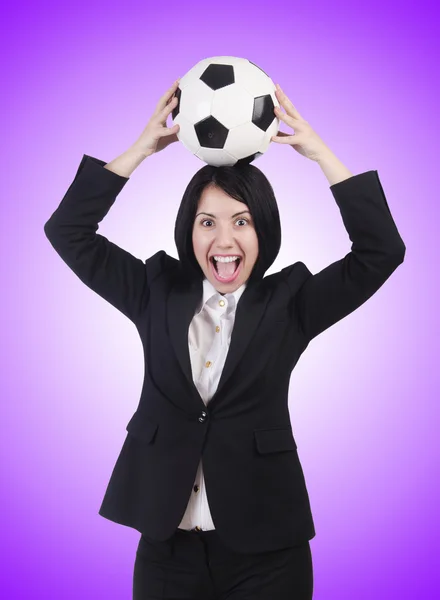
[[220, 342]]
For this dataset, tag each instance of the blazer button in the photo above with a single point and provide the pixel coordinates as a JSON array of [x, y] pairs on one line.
[[202, 417]]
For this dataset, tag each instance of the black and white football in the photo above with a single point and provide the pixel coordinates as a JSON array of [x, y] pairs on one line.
[[225, 110]]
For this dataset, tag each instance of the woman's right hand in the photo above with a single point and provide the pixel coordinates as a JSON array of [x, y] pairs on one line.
[[156, 136]]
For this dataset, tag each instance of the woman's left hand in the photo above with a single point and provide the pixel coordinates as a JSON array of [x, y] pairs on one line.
[[304, 139]]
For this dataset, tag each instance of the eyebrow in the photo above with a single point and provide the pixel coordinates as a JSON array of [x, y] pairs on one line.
[[210, 215]]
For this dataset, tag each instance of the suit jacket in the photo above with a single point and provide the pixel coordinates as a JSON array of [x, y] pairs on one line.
[[254, 479]]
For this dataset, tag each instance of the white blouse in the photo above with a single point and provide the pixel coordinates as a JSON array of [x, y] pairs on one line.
[[209, 336]]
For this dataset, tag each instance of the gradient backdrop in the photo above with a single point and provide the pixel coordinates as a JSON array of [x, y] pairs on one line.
[[84, 78]]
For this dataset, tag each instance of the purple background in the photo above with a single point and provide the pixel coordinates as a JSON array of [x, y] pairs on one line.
[[364, 399]]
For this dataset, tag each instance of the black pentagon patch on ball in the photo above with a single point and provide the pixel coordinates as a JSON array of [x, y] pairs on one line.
[[176, 110], [263, 115], [218, 76], [248, 159], [211, 133]]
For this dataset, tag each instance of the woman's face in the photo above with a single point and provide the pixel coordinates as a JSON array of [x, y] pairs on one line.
[[219, 230]]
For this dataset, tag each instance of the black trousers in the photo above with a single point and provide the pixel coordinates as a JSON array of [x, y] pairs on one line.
[[195, 565]]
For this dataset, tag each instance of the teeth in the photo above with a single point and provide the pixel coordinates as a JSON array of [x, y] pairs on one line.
[[226, 259]]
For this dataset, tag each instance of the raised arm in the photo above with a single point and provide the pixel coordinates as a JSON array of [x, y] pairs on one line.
[[377, 248], [116, 275], [376, 251], [110, 271]]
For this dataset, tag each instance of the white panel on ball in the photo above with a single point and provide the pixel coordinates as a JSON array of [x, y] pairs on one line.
[[187, 134], [196, 101], [243, 140], [232, 106]]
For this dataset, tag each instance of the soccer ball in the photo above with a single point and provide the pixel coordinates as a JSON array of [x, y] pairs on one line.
[[225, 110]]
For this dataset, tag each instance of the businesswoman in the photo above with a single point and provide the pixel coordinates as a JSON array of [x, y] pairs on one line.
[[209, 472]]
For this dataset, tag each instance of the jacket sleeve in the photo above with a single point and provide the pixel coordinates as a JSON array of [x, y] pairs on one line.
[[376, 251], [116, 275]]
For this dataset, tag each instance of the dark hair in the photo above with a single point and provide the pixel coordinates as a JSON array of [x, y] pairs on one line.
[[247, 184]]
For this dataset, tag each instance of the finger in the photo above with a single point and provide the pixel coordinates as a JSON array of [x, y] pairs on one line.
[[290, 121], [173, 95], [283, 116], [284, 138], [162, 116], [171, 104], [287, 104], [166, 97], [169, 130], [279, 113]]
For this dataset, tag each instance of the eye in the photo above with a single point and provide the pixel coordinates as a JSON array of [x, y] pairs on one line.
[[210, 221]]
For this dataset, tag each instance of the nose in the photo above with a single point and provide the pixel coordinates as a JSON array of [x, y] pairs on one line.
[[225, 238]]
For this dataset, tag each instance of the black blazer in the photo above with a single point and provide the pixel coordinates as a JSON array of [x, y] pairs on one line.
[[255, 483]]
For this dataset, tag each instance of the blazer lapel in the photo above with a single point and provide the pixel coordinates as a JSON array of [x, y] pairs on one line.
[[181, 305]]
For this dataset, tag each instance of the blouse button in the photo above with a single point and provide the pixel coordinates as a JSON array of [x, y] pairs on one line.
[[208, 363], [221, 302], [217, 328]]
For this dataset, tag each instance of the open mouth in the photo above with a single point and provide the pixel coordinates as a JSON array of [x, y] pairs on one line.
[[225, 278], [215, 263]]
